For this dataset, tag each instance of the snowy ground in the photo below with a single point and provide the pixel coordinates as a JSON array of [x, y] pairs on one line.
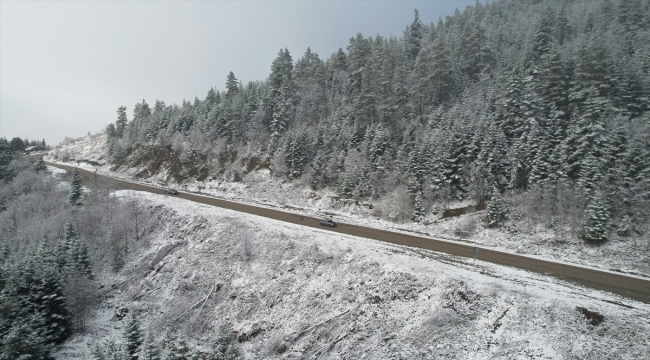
[[260, 188], [295, 293]]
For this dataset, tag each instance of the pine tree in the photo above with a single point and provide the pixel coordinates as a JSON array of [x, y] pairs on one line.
[[149, 350], [418, 208], [75, 188], [510, 113], [596, 218], [414, 39], [543, 36], [96, 353], [634, 97], [541, 156], [224, 347], [231, 85], [451, 165], [477, 55], [294, 152], [120, 123], [117, 261], [553, 85], [23, 342], [78, 258], [6, 155], [496, 212], [177, 350], [64, 247], [40, 165], [141, 111], [132, 336], [319, 173]]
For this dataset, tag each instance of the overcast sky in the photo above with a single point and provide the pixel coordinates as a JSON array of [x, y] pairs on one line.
[[65, 67]]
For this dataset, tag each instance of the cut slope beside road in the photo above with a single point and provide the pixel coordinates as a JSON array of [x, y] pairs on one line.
[[628, 286]]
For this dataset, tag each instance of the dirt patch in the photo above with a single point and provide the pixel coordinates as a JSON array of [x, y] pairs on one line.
[[255, 163], [592, 317], [462, 211], [153, 159]]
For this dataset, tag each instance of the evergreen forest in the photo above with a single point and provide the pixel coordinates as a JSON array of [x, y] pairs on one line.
[[505, 98]]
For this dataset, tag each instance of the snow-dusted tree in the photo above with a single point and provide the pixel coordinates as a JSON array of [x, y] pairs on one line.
[[40, 165], [231, 85], [225, 347], [496, 212], [543, 36], [6, 154], [149, 350], [117, 252], [64, 246], [97, 353], [141, 111], [596, 219], [282, 92], [477, 54], [132, 336], [319, 176], [414, 39], [75, 188], [176, 350], [78, 260], [294, 153], [120, 123], [23, 341], [510, 115]]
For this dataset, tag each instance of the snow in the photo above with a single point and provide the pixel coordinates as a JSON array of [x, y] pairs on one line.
[[315, 293], [261, 189]]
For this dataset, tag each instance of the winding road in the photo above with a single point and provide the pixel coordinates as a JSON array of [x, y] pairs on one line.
[[629, 286]]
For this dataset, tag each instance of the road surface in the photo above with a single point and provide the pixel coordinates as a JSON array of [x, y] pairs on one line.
[[628, 286]]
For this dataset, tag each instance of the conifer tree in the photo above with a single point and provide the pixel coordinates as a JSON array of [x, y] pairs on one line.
[[120, 123], [6, 155], [141, 111], [75, 188], [476, 53], [553, 85], [64, 247], [78, 260], [96, 353], [231, 85], [176, 350], [596, 218], [510, 113], [496, 213], [40, 165], [224, 347], [117, 260], [294, 152], [23, 342], [414, 39], [132, 336], [543, 36], [319, 172], [149, 350]]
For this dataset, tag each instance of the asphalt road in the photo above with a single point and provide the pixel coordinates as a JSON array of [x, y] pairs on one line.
[[628, 286]]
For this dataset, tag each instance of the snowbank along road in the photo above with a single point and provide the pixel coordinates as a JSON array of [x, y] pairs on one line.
[[629, 286]]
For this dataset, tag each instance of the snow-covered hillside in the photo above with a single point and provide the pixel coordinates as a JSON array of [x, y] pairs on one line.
[[259, 187], [291, 292]]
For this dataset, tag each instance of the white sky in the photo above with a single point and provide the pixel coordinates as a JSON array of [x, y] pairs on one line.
[[65, 67]]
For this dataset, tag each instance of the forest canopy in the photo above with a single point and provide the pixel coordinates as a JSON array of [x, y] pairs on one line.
[[507, 96]]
